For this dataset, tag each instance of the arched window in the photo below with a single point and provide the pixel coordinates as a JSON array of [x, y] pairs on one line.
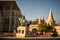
[[19, 31], [22, 31]]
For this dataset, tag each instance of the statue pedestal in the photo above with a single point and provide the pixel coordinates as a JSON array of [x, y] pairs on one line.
[[21, 31]]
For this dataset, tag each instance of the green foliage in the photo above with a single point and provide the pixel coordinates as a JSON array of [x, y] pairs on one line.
[[41, 27], [49, 28], [22, 20], [44, 27], [54, 32]]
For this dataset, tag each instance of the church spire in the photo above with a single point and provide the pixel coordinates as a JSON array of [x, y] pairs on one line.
[[50, 14], [50, 19]]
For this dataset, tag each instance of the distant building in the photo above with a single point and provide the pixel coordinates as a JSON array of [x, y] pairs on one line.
[[50, 19], [9, 14], [22, 31], [41, 20]]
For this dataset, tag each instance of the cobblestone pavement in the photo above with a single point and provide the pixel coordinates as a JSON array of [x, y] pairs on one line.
[[39, 37], [30, 38]]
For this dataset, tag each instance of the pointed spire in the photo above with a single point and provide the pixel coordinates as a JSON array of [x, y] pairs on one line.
[[50, 14], [50, 20]]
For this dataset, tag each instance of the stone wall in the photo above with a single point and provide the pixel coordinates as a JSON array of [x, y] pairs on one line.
[[57, 29]]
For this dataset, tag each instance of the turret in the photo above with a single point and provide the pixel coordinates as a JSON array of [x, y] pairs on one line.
[[41, 20], [50, 19]]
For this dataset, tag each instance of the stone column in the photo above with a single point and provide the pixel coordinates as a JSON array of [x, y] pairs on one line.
[[10, 18], [3, 19], [15, 20]]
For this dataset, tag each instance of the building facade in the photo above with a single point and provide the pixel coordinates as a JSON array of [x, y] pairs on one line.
[[9, 15], [22, 31]]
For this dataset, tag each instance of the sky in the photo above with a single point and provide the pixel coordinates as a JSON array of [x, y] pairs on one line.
[[34, 9]]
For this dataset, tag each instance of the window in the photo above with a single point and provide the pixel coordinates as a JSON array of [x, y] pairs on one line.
[[1, 13], [22, 31], [7, 21], [7, 8], [12, 21], [19, 31], [1, 8], [12, 13]]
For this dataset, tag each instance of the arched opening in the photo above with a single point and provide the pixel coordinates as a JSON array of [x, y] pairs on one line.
[[34, 30]]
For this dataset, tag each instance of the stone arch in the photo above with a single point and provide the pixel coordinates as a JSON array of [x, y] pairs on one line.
[[34, 30], [31, 27]]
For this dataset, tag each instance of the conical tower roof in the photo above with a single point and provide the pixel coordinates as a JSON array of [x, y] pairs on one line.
[[50, 19]]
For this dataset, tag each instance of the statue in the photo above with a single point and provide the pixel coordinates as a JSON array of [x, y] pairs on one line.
[[22, 20]]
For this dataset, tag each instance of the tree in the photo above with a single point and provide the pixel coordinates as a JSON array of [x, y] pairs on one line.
[[54, 33], [49, 28], [41, 27], [22, 20], [44, 27]]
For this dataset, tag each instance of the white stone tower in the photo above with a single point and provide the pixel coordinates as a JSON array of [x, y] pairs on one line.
[[41, 20], [50, 19]]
